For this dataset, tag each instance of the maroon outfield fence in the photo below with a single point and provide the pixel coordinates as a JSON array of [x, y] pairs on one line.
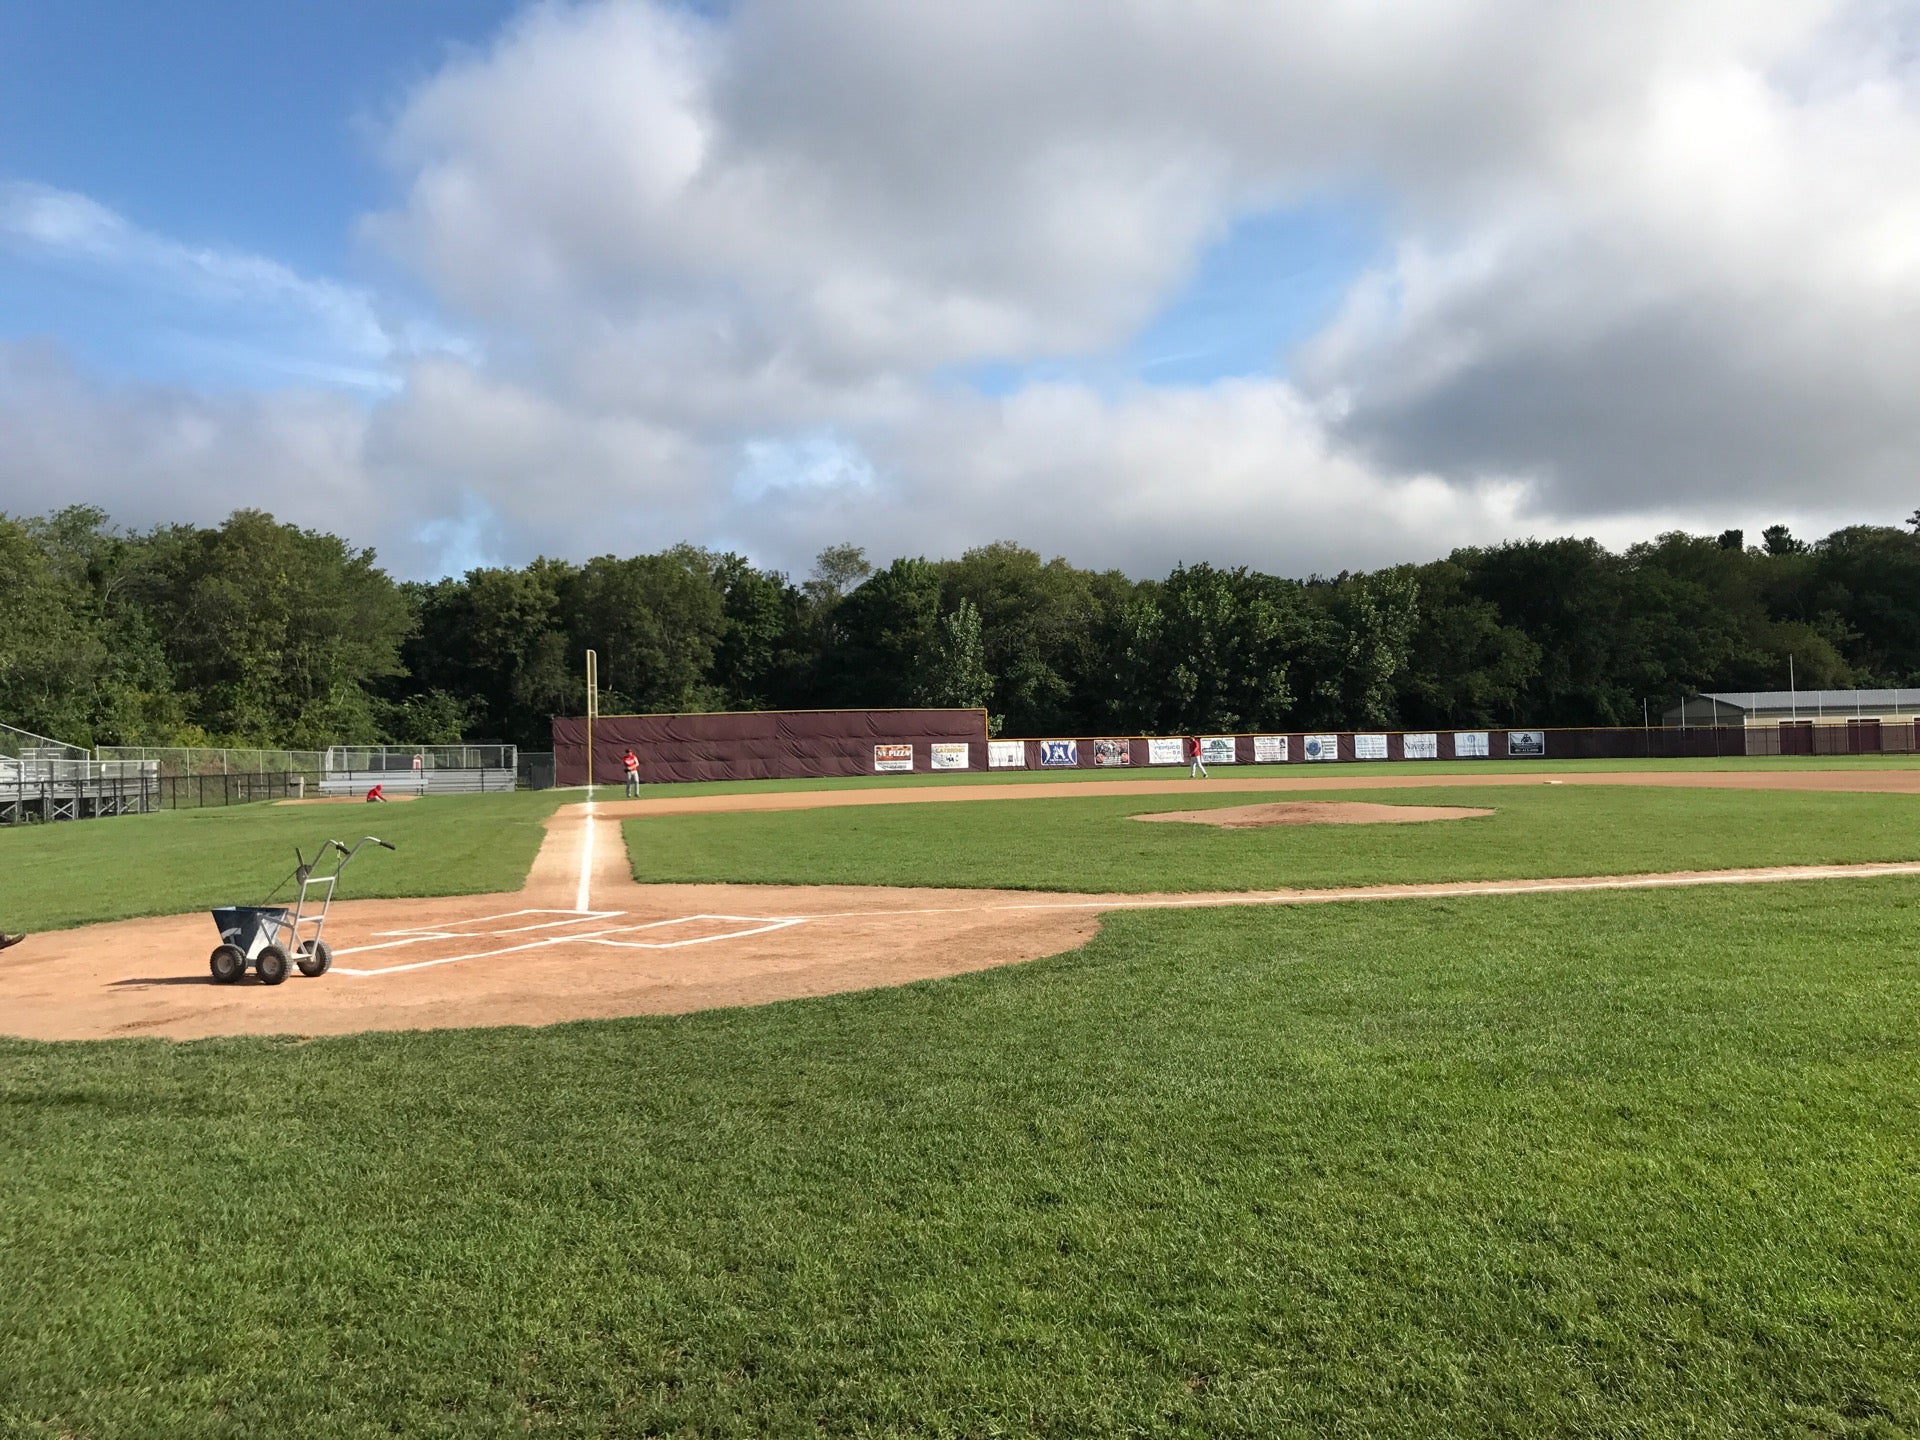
[[769, 744], [800, 743]]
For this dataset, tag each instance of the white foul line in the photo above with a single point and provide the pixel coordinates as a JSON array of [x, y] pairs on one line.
[[582, 897], [1870, 870]]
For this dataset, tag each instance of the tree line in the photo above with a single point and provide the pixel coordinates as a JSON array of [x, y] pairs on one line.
[[257, 633]]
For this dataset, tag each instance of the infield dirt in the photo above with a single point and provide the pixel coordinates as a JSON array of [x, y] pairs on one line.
[[582, 940]]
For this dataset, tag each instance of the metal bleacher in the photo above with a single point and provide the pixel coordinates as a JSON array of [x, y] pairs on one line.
[[46, 779], [352, 770]]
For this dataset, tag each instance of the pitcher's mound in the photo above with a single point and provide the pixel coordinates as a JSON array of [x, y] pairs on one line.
[[1307, 812]]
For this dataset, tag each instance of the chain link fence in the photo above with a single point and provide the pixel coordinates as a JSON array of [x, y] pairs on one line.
[[178, 760]]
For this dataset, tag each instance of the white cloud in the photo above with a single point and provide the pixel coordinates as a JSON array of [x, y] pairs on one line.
[[153, 454], [1661, 266], [1714, 297]]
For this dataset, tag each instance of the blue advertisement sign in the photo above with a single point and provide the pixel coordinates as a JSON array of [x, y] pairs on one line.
[[1060, 754]]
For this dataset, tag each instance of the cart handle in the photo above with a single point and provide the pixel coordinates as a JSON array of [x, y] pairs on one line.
[[364, 840]]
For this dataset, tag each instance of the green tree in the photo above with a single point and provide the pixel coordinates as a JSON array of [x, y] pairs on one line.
[[1867, 577], [106, 678], [1567, 596], [498, 639], [40, 637], [837, 570], [1377, 615], [880, 633], [953, 673], [1043, 625], [657, 622], [758, 663], [1779, 541], [1465, 665], [278, 634], [1211, 649]]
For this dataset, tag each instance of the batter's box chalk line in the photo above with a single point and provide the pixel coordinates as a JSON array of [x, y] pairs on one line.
[[756, 925], [759, 925], [483, 927]]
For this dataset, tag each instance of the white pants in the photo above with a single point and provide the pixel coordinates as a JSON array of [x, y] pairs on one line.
[[1197, 770]]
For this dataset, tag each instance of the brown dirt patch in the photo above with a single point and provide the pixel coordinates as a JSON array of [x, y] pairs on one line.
[[529, 959], [1311, 812], [549, 953]]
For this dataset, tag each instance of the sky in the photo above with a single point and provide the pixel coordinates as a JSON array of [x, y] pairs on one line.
[[1252, 282]]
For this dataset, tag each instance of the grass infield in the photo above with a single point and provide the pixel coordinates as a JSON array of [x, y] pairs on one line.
[[54, 876], [1092, 844], [1629, 1163]]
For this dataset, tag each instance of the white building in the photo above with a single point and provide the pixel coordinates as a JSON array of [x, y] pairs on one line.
[[1808, 722]]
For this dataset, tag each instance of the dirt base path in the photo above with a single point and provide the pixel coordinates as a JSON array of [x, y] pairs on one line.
[[1874, 782], [581, 940]]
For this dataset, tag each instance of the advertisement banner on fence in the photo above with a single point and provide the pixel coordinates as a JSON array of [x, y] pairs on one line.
[[1469, 744], [1369, 747], [1269, 749], [892, 757], [1420, 747], [1527, 744], [1006, 754], [1321, 747], [1218, 750], [1166, 752], [1059, 754], [950, 756], [1108, 753]]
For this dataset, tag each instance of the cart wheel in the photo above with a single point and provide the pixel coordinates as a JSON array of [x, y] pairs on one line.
[[314, 959], [227, 964], [271, 965]]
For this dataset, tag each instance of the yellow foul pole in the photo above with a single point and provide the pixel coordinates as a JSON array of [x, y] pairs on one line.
[[593, 711]]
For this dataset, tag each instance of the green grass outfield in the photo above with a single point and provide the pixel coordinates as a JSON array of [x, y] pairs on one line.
[[1091, 844], [1297, 771], [53, 876], [1610, 1164]]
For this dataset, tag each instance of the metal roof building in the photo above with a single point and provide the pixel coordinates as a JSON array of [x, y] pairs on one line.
[[1770, 707]]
